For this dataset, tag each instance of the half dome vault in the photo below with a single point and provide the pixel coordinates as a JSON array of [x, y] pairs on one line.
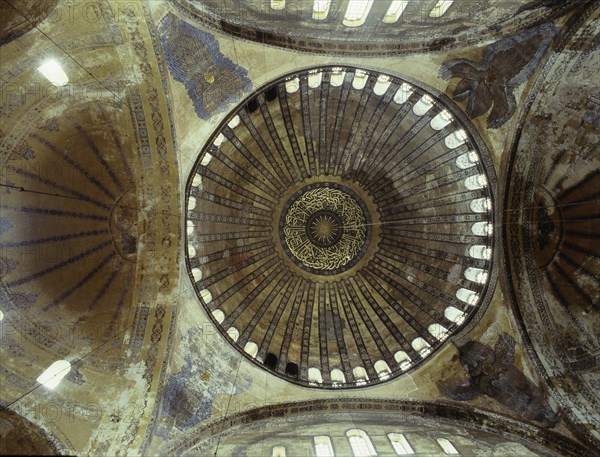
[[340, 226]]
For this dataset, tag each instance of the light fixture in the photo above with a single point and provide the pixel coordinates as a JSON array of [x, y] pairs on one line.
[[54, 73]]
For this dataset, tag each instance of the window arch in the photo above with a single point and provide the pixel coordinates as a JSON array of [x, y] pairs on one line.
[[251, 348], [455, 315], [321, 9], [278, 451], [357, 12], [337, 377], [447, 446], [382, 85], [403, 93], [438, 331], [403, 360], [360, 375], [382, 369], [421, 346], [323, 447], [400, 444], [423, 105], [218, 315], [233, 333], [395, 11], [314, 376], [467, 296], [360, 443]]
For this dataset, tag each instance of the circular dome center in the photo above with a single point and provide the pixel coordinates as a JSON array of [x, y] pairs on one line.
[[324, 228]]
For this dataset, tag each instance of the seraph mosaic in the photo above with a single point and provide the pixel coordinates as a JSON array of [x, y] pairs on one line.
[[490, 84], [211, 80]]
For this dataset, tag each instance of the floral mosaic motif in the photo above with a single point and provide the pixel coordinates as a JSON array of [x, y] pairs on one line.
[[212, 81], [492, 373], [506, 64]]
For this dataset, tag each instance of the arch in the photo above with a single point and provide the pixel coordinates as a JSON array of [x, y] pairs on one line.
[[421, 346], [394, 12], [360, 375], [481, 205], [467, 296], [400, 444], [292, 85], [381, 85], [447, 446], [476, 182], [455, 315], [314, 375], [438, 331], [360, 443], [251, 349], [424, 104], [278, 451], [233, 333], [441, 120], [206, 296], [360, 79], [482, 229], [314, 78], [403, 93], [403, 360], [218, 315], [382, 369], [357, 12], [455, 139], [480, 251], [467, 160], [476, 275], [321, 9], [337, 377], [323, 447]]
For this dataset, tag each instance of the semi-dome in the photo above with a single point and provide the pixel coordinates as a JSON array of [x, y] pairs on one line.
[[340, 225]]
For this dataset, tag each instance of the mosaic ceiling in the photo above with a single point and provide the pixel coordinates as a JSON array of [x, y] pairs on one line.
[[340, 226]]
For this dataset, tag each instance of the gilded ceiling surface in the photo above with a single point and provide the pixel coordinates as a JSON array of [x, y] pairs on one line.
[[216, 218]]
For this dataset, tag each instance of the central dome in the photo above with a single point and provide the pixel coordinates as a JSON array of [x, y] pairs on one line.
[[340, 226]]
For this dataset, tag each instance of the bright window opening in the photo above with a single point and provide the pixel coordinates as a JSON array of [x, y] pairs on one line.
[[278, 451], [251, 349], [233, 333], [197, 181], [476, 182], [476, 275], [314, 376], [234, 122], [207, 157], [191, 251], [206, 296], [218, 141], [421, 346], [54, 73], [423, 105], [455, 315], [277, 4], [314, 79], [467, 296], [52, 376], [218, 315], [382, 369], [467, 160], [438, 331], [403, 360], [403, 93], [292, 85], [395, 11], [337, 377], [1, 315], [482, 229], [360, 79], [190, 227], [440, 8], [323, 446], [455, 139], [400, 444], [441, 120], [360, 376], [321, 9], [357, 12], [479, 251], [191, 203], [481, 205], [382, 85], [360, 443], [447, 446], [337, 77]]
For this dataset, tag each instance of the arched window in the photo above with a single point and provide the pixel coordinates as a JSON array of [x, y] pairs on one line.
[[400, 444], [233, 333], [421, 346], [447, 446], [190, 227], [191, 251], [395, 11], [277, 4], [476, 275], [337, 377], [403, 360], [482, 229], [337, 77], [206, 296], [382, 85], [278, 451], [191, 203], [234, 122], [292, 85], [403, 93], [476, 182], [455, 315], [197, 274], [314, 78], [314, 376], [360, 443], [357, 12], [197, 181], [382, 369], [440, 8], [438, 331], [218, 141], [321, 9], [480, 251], [468, 296], [323, 446], [467, 160], [423, 105], [360, 375], [360, 79], [441, 120], [251, 349], [218, 315], [481, 205], [207, 157], [52, 375], [455, 139]]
